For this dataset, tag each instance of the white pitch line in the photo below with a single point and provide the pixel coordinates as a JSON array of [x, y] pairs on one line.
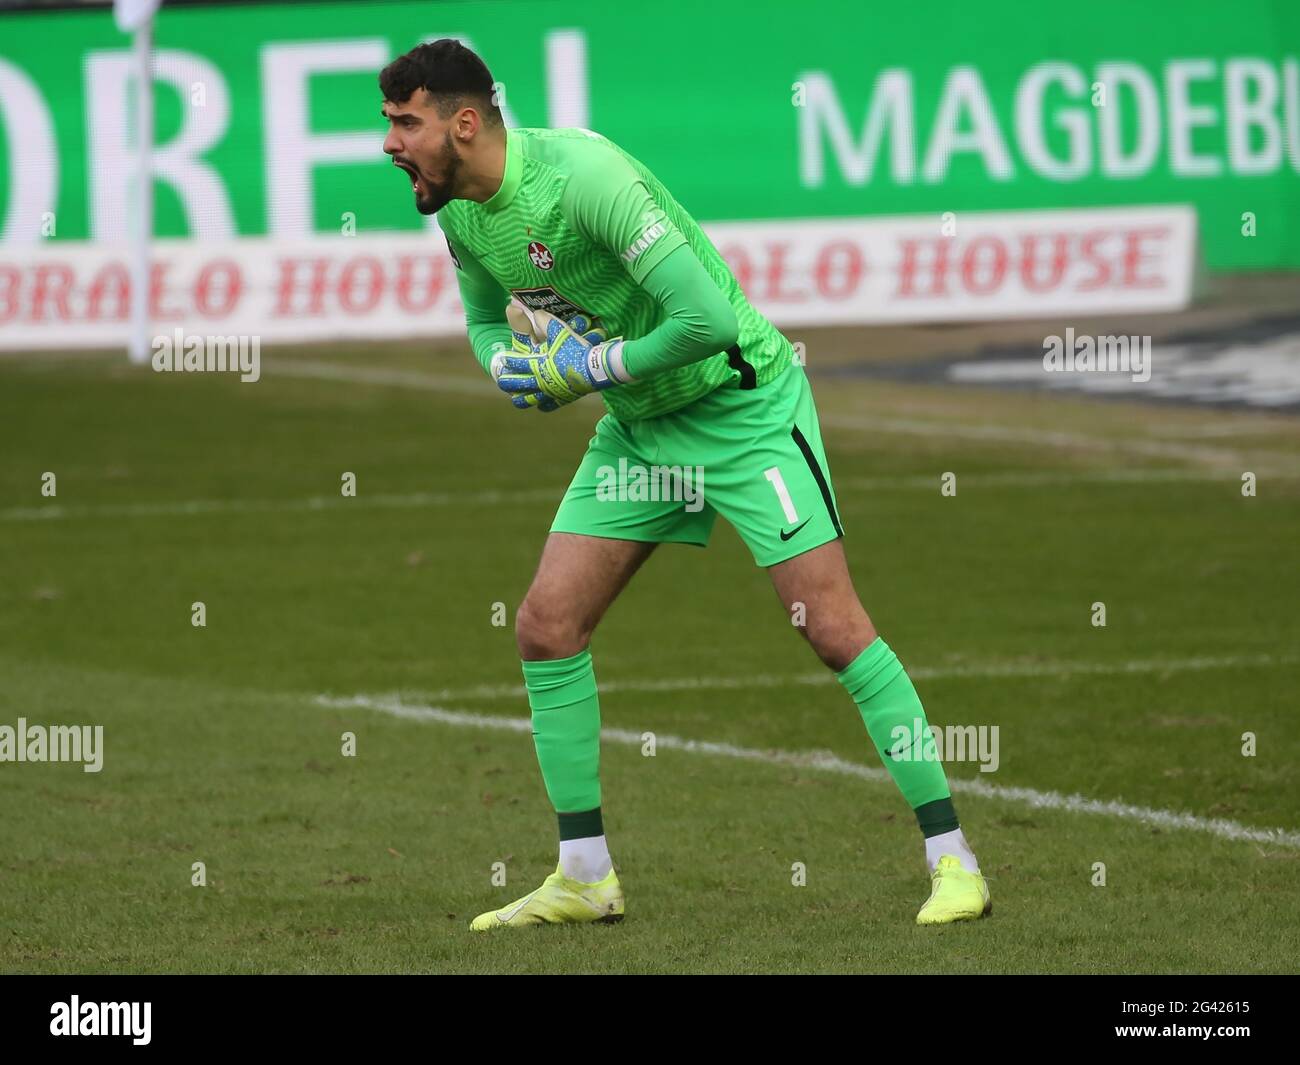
[[372, 375], [186, 507], [826, 677], [1086, 443], [1053, 479], [824, 761], [867, 422], [1211, 432], [256, 506]]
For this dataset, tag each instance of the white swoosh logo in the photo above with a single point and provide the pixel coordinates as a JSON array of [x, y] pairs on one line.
[[522, 903]]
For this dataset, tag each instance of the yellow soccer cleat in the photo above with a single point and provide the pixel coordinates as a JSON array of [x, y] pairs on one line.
[[559, 901], [955, 895]]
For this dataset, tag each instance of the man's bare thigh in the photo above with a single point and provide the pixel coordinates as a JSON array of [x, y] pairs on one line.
[[577, 579]]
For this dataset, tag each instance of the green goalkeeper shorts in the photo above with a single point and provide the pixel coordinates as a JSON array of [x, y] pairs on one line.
[[754, 456]]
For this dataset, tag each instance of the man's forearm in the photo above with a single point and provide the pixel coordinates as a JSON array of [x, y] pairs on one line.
[[488, 338], [485, 302], [700, 321]]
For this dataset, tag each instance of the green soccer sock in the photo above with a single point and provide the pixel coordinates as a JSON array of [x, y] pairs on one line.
[[896, 723], [566, 733]]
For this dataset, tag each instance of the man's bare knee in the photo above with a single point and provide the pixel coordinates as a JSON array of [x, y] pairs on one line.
[[838, 642], [830, 615], [542, 632], [576, 580]]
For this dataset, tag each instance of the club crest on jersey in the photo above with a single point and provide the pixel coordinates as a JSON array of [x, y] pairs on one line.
[[541, 255]]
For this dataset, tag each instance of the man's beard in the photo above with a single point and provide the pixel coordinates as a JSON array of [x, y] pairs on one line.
[[438, 194]]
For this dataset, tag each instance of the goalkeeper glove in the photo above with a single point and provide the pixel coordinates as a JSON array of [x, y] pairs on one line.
[[523, 341], [526, 337], [568, 362]]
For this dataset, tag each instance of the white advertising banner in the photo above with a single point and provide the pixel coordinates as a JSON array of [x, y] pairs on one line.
[[964, 266], [977, 266]]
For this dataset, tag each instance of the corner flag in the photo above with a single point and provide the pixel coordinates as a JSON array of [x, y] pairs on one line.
[[130, 15]]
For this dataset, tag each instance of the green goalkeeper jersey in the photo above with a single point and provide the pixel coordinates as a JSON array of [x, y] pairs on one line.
[[576, 227]]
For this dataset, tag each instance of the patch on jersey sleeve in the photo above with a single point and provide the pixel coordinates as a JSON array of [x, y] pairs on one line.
[[655, 229], [453, 252]]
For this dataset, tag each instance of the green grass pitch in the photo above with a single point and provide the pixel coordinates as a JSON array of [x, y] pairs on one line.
[[176, 489]]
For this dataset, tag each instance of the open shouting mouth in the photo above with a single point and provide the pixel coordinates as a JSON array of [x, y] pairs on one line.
[[411, 172]]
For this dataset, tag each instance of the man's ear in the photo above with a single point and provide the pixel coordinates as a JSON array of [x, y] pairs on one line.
[[467, 124]]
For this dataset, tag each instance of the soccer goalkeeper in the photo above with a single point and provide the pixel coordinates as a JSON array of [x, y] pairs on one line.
[[615, 289]]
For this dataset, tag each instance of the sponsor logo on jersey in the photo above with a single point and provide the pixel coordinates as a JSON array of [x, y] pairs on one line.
[[547, 299], [541, 255], [648, 236]]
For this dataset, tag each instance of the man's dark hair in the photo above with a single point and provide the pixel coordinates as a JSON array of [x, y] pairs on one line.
[[448, 71]]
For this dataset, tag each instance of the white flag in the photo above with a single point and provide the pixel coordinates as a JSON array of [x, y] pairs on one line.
[[132, 14]]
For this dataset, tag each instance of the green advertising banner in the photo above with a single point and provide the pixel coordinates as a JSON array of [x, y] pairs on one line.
[[268, 115]]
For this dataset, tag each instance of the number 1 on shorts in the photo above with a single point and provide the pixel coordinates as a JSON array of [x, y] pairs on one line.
[[782, 493]]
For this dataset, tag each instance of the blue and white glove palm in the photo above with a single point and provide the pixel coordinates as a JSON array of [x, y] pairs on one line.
[[570, 361], [524, 341]]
